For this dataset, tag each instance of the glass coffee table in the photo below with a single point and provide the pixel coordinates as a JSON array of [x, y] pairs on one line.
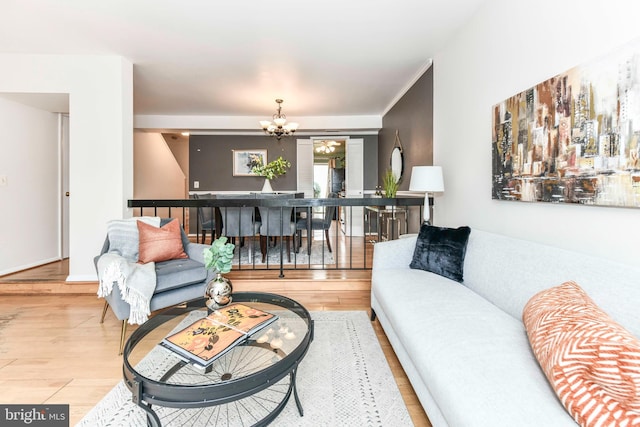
[[248, 385]]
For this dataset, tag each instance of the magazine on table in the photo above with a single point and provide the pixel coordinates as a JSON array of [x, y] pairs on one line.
[[208, 338]]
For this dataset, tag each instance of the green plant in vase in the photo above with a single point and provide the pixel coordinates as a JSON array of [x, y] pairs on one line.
[[390, 184], [218, 258], [271, 171]]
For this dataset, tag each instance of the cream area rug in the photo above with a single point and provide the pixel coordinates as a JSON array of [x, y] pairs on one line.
[[344, 380], [319, 255]]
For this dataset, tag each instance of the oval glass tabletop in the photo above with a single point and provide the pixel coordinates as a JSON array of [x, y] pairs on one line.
[[247, 385]]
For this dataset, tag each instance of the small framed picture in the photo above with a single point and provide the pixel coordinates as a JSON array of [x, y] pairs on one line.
[[245, 160]]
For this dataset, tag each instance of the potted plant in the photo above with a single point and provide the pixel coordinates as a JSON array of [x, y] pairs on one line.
[[218, 258], [271, 171], [390, 184]]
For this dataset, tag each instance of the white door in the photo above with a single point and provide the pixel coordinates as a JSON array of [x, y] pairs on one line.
[[64, 187], [304, 159], [354, 185]]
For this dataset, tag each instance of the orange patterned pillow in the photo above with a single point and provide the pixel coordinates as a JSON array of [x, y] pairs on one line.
[[592, 362], [160, 244]]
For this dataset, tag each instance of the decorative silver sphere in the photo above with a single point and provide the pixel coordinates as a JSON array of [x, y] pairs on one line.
[[218, 292]]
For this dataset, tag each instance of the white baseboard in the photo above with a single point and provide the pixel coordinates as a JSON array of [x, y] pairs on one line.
[[82, 278]]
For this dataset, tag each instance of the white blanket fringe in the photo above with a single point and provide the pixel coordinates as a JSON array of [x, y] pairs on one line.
[[110, 275], [136, 283]]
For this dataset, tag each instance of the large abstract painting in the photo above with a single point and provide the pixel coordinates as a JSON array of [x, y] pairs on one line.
[[573, 138]]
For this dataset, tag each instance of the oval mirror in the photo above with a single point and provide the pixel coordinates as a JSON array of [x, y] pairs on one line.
[[397, 162]]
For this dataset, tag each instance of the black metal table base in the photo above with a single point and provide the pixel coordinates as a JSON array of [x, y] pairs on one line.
[[154, 421], [255, 398]]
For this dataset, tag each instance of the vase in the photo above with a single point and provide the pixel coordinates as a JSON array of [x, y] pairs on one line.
[[266, 188], [218, 292]]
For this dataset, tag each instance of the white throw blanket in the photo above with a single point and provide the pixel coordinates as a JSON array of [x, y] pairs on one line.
[[136, 282]]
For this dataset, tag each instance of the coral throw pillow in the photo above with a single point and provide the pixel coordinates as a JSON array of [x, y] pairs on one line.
[[592, 362], [160, 244]]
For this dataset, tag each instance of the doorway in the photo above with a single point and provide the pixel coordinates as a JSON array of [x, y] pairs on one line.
[[328, 165], [343, 160], [39, 177]]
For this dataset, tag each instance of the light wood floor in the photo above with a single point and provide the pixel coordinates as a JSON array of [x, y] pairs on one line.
[[53, 348]]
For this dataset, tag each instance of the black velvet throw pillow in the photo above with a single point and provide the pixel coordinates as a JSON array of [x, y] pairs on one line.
[[441, 250]]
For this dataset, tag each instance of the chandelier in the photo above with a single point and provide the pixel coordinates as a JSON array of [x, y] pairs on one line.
[[279, 127], [327, 147]]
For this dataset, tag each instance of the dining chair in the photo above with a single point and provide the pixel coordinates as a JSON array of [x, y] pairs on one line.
[[239, 222], [311, 224], [276, 222], [206, 217]]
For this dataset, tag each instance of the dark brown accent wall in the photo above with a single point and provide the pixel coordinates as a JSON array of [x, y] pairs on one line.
[[211, 162], [412, 116]]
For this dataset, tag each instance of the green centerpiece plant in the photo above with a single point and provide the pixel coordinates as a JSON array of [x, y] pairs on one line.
[[218, 258], [272, 169]]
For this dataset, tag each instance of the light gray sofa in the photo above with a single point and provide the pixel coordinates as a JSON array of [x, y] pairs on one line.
[[464, 346]]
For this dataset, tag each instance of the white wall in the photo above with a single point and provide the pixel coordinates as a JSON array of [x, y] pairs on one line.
[[29, 202], [100, 92], [157, 174], [507, 47]]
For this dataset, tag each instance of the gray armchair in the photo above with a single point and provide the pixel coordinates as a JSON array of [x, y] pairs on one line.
[[177, 281]]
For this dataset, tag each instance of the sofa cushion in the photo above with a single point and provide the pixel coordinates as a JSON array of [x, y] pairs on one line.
[[122, 235], [176, 273], [159, 244], [441, 251], [509, 271], [592, 362], [471, 355]]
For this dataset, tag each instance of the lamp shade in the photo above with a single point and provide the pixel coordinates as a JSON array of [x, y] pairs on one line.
[[426, 178]]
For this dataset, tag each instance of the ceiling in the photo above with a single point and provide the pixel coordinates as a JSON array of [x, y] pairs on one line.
[[208, 58]]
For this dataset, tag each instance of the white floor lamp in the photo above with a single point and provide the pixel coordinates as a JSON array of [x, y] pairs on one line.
[[427, 179]]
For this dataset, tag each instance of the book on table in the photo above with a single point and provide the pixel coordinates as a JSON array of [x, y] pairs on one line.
[[208, 338]]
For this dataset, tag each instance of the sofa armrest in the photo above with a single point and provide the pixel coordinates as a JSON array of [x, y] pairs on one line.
[[393, 253]]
